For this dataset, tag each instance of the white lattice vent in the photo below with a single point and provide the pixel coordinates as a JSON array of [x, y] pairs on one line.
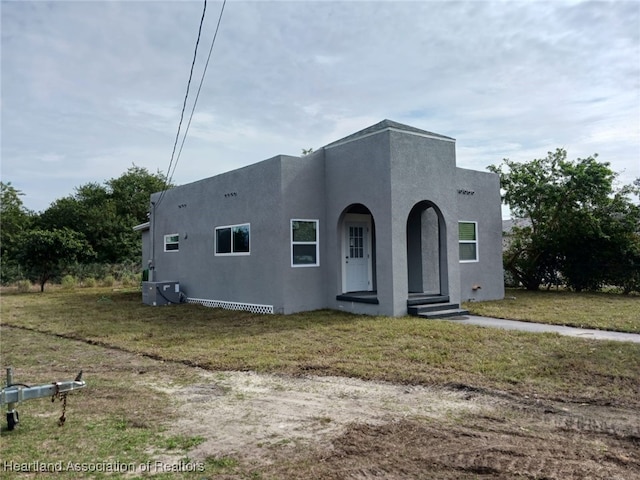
[[248, 307]]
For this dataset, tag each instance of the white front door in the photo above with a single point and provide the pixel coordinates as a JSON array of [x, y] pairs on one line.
[[356, 257]]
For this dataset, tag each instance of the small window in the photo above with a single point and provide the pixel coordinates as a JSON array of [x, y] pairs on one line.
[[171, 242], [233, 240], [468, 237], [304, 243]]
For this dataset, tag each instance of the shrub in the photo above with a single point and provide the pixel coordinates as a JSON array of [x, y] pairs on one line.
[[10, 272], [121, 271], [89, 282], [108, 281], [87, 270], [69, 282], [23, 286], [130, 279]]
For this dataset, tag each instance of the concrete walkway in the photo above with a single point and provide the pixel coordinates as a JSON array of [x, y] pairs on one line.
[[542, 327]]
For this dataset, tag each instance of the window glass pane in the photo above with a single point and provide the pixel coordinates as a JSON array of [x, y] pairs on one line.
[[304, 255], [467, 230], [171, 242], [356, 242], [241, 238], [303, 231], [223, 240], [468, 251]]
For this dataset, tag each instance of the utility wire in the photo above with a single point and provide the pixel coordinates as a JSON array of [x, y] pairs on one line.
[[204, 72], [184, 105]]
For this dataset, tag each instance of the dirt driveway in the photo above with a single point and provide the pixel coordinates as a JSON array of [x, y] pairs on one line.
[[333, 427]]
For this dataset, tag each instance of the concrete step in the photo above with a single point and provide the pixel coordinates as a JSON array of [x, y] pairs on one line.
[[418, 299], [431, 307], [456, 312]]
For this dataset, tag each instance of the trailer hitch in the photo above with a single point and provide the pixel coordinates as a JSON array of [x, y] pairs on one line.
[[15, 393]]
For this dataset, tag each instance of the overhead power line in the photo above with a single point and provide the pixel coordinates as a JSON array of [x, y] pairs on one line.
[[171, 171], [184, 104], [204, 72]]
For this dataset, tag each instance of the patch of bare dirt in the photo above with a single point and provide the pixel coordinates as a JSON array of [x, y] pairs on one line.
[[339, 428], [285, 427], [480, 448], [245, 414]]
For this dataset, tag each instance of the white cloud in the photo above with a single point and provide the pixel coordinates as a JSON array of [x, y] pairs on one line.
[[51, 158], [96, 86]]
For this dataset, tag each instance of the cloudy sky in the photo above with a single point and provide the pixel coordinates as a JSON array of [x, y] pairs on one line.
[[91, 87]]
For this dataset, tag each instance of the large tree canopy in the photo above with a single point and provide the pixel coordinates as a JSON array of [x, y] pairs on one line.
[[104, 214], [48, 253], [14, 216], [93, 225], [15, 219], [130, 192], [574, 225]]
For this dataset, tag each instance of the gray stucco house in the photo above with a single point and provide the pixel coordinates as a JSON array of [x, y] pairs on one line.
[[379, 222]]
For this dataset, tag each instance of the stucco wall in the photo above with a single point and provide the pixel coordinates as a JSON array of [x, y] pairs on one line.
[[303, 195], [389, 172], [357, 172], [248, 195], [146, 248], [482, 206], [423, 170]]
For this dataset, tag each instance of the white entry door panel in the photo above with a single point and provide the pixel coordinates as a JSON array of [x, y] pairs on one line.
[[356, 250]]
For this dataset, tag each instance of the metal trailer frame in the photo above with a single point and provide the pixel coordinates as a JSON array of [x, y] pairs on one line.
[[15, 393]]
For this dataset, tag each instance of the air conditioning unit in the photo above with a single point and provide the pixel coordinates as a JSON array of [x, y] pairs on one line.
[[161, 293]]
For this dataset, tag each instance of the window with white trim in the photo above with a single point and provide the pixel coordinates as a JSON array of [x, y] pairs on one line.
[[305, 250], [171, 242], [468, 240], [233, 239]]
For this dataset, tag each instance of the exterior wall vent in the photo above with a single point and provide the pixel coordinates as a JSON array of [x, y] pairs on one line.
[[248, 307]]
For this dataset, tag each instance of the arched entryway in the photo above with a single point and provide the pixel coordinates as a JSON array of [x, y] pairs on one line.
[[358, 259], [427, 250]]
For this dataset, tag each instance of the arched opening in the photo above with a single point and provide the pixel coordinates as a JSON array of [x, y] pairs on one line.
[[356, 229], [426, 250]]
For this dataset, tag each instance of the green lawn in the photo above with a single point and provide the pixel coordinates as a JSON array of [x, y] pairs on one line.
[[117, 422], [406, 350], [605, 311]]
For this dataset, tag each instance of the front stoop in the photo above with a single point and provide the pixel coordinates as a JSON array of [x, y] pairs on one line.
[[434, 307]]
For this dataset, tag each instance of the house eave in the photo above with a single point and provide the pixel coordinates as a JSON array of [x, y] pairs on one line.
[[388, 126], [142, 227]]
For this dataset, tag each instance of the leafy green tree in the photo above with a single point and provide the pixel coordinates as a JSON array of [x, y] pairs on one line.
[[64, 212], [621, 223], [15, 219], [130, 192], [14, 216], [105, 214], [49, 253], [90, 212], [576, 226]]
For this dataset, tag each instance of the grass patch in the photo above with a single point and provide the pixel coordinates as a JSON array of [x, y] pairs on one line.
[[221, 463], [605, 311], [119, 419], [405, 350], [114, 426], [182, 442]]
